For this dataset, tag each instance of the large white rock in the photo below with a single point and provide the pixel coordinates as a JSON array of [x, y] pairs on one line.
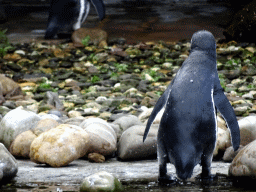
[[244, 164], [96, 120], [8, 164], [103, 138], [102, 181], [223, 141], [146, 113], [15, 122], [247, 128], [131, 146], [127, 121], [20, 147], [59, 146]]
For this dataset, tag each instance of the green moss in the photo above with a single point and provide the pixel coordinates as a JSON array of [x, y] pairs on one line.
[[86, 40], [154, 74], [95, 79], [121, 67], [233, 64], [4, 43]]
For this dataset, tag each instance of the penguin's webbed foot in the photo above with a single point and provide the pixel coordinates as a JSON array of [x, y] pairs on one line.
[[209, 177], [167, 179]]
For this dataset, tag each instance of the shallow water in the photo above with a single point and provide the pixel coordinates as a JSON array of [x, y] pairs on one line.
[[135, 20], [222, 183], [134, 175]]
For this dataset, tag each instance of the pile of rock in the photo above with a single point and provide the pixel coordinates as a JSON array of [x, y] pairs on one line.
[[93, 103]]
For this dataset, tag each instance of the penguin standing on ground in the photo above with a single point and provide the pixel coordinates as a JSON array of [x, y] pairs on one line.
[[70, 14], [188, 128]]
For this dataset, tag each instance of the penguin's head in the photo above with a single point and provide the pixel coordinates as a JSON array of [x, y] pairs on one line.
[[203, 41], [186, 158]]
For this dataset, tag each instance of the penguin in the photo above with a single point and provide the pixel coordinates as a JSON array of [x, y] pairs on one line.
[[188, 128], [70, 14]]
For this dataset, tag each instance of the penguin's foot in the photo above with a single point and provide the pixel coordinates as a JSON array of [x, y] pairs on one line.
[[210, 177], [167, 179]]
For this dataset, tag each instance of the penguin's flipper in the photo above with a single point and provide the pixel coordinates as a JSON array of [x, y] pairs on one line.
[[100, 8], [227, 111], [159, 105]]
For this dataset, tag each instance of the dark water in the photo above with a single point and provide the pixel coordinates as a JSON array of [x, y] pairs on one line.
[[135, 20], [221, 184]]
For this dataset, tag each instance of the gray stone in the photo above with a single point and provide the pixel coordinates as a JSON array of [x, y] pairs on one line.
[[131, 146], [94, 121], [240, 110], [127, 121], [230, 154], [16, 122], [102, 136], [56, 112], [101, 57], [117, 129], [102, 181], [74, 121], [44, 125], [52, 99], [8, 164]]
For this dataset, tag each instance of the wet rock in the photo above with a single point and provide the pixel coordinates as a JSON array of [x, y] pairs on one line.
[[14, 67], [247, 128], [73, 114], [9, 88], [12, 57], [56, 112], [103, 138], [231, 74], [96, 157], [16, 122], [148, 102], [119, 52], [230, 154], [74, 121], [20, 147], [239, 111], [127, 121], [102, 181], [131, 146], [244, 163], [101, 57], [59, 146], [249, 70], [143, 86], [9, 165], [52, 100], [96, 36]]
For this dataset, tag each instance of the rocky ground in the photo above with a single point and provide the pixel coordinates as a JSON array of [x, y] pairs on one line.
[[71, 85]]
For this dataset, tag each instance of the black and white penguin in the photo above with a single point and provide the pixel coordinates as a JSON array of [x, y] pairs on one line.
[[70, 14], [188, 128]]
